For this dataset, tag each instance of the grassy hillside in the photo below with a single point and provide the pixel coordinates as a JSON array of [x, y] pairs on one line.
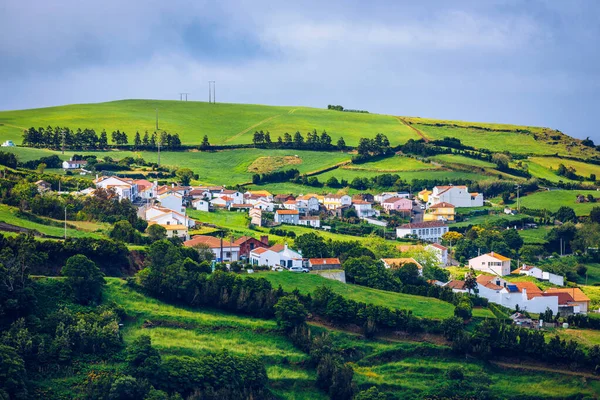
[[236, 123], [554, 199], [404, 368], [306, 283], [223, 123], [552, 163]]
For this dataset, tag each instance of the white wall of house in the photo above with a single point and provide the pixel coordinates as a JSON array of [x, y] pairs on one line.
[[490, 264], [458, 196], [553, 278], [172, 202], [201, 205], [314, 222], [441, 255], [264, 205], [292, 219], [431, 234], [268, 258]]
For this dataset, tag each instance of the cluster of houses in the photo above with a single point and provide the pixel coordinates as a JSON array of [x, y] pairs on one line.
[[526, 295]]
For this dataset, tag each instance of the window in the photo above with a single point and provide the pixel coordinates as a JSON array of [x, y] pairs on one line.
[[228, 254]]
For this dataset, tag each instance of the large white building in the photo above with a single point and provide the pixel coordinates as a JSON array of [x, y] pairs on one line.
[[491, 263], [458, 196], [430, 231], [276, 256], [172, 201], [526, 295]]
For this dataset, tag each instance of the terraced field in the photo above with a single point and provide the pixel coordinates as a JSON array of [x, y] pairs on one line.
[[552, 163], [554, 199]]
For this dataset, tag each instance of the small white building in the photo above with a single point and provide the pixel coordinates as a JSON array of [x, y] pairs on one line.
[[237, 197], [530, 270], [431, 231], [264, 257], [290, 205], [291, 217], [380, 198], [307, 204], [441, 252], [74, 164], [526, 295], [201, 205], [222, 202], [492, 263], [8, 143], [313, 221], [264, 205], [364, 209], [276, 256], [333, 201], [164, 216]]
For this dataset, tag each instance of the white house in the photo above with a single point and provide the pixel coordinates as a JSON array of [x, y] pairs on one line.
[[264, 205], [307, 204], [364, 209], [441, 252], [288, 257], [201, 205], [172, 201], [262, 256], [458, 196], [8, 143], [430, 231], [333, 201], [124, 188], [238, 197], [313, 221], [287, 217], [74, 164], [536, 272], [164, 216], [290, 205], [223, 202], [526, 295], [380, 198], [492, 263], [146, 189], [223, 249]]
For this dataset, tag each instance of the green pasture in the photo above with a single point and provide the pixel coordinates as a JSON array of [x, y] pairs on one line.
[[393, 164], [223, 123], [350, 174], [552, 200], [307, 283], [552, 163], [462, 160]]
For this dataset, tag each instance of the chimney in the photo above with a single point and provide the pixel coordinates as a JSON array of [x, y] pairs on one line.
[[265, 239], [96, 176], [155, 184], [285, 246], [524, 291], [172, 185]]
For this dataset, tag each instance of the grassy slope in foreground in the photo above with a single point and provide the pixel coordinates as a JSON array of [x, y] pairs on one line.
[[306, 283], [223, 123]]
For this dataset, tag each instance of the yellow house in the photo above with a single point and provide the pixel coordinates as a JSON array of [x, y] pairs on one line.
[[424, 195], [440, 212]]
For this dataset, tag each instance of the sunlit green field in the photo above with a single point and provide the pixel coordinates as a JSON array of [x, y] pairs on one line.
[[393, 164], [307, 283], [228, 167], [458, 159], [509, 140], [581, 168], [554, 199], [223, 123], [349, 174], [9, 215]]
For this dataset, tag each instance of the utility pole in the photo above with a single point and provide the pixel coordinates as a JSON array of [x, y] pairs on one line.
[[65, 222], [158, 143], [518, 202], [62, 132], [157, 119], [211, 92]]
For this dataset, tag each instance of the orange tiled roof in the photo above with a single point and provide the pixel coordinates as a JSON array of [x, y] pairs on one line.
[[576, 293]]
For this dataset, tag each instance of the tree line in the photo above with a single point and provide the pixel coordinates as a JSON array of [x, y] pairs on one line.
[[88, 139], [313, 141]]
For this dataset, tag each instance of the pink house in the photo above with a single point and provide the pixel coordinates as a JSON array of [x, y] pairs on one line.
[[397, 204]]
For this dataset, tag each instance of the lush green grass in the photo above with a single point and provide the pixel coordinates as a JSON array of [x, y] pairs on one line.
[[552, 163], [221, 167], [458, 159], [306, 283], [553, 200], [223, 123], [539, 171], [393, 164], [507, 140], [412, 376], [487, 219], [349, 174], [9, 215], [535, 236]]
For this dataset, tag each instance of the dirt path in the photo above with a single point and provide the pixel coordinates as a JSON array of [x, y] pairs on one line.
[[418, 132], [529, 367], [237, 135]]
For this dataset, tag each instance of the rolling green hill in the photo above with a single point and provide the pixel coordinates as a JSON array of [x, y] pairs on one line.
[[235, 124]]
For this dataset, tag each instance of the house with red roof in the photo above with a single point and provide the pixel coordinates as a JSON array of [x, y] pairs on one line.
[[458, 196], [441, 252], [291, 217], [324, 263], [224, 249], [492, 263]]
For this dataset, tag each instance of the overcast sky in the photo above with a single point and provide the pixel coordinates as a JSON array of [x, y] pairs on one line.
[[525, 62]]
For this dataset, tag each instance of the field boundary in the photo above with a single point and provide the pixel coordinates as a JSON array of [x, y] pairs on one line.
[[418, 132], [528, 367], [237, 135]]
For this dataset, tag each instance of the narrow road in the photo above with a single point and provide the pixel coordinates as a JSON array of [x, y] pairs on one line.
[[418, 132]]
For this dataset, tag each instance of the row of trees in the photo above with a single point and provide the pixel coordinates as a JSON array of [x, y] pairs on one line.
[[313, 141], [88, 139]]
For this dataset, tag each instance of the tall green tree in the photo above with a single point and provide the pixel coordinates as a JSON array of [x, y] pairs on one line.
[[84, 279], [137, 142]]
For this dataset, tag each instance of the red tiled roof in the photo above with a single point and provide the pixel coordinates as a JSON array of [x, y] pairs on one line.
[[259, 250], [287, 212], [427, 224], [576, 293], [563, 298], [438, 246], [530, 287], [277, 248], [443, 204], [488, 282], [325, 261], [460, 285]]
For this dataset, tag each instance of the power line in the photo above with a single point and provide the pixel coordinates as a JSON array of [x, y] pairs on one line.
[[183, 94]]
